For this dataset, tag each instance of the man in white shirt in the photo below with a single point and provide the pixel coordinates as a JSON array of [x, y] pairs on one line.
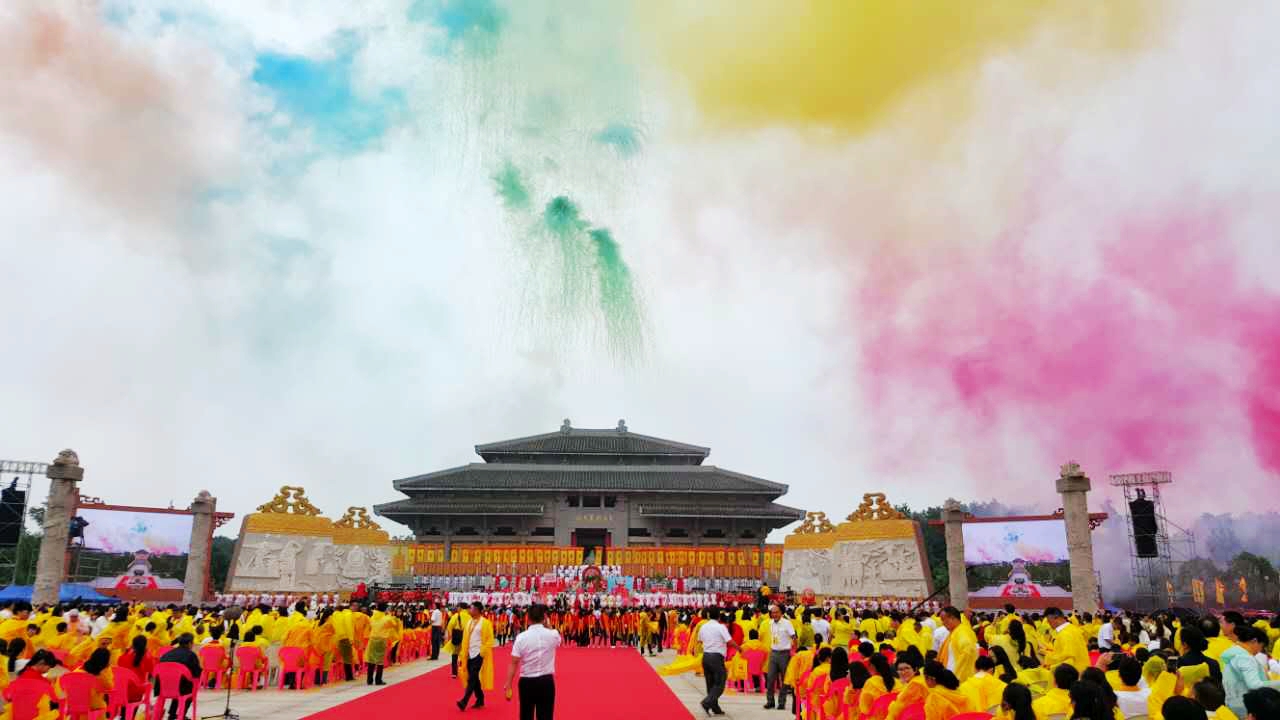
[[821, 627], [1106, 635], [782, 644], [534, 655], [1130, 698], [437, 631], [716, 641]]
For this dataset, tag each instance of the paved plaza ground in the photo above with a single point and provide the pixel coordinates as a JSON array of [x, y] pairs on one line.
[[294, 705]]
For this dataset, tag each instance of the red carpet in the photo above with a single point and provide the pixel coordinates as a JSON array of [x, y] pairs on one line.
[[591, 684]]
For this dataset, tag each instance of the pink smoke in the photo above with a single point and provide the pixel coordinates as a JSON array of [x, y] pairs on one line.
[[1130, 358], [133, 130]]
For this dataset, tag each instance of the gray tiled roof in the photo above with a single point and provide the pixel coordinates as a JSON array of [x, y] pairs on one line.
[[591, 442], [634, 478], [771, 511], [428, 506]]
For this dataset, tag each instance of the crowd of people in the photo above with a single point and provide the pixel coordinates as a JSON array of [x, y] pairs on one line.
[[878, 661], [49, 654], [874, 664]]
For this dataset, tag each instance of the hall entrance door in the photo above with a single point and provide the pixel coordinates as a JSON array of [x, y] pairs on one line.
[[590, 539]]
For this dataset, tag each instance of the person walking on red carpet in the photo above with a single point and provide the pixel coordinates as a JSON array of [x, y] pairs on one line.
[[534, 655], [476, 674]]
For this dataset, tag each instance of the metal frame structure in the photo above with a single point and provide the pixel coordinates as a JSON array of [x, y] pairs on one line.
[[1153, 576], [20, 472]]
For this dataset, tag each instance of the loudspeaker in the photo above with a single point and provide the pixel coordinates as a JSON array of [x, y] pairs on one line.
[[1145, 528], [13, 503]]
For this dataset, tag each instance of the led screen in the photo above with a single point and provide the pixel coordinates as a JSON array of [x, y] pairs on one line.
[[131, 554], [1017, 560], [122, 531]]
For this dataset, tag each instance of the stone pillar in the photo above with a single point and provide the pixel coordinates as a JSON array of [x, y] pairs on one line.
[[197, 577], [957, 580], [64, 493], [1074, 486]]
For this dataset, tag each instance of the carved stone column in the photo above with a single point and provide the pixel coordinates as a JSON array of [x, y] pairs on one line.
[[64, 492], [1074, 486], [197, 577], [957, 581]]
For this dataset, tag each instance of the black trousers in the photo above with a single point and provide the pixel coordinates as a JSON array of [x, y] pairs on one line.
[[474, 665], [537, 697], [437, 635], [714, 672]]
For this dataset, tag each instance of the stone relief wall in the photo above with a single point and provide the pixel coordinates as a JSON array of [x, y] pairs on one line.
[[806, 569], [875, 552], [288, 546], [306, 563], [878, 568]]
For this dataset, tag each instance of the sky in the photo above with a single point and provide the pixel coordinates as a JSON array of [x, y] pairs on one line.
[[921, 247]]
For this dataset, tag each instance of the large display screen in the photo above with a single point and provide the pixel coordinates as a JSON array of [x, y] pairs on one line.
[[132, 554], [1018, 562]]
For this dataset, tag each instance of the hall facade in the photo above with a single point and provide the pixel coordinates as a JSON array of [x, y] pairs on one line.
[[590, 488]]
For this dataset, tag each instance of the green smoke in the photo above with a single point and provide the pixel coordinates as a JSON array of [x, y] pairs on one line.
[[617, 295], [511, 188]]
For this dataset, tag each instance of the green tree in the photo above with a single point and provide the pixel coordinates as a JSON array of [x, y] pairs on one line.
[[1257, 571], [935, 542], [1197, 568], [220, 562]]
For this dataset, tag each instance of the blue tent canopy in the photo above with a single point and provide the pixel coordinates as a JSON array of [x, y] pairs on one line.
[[68, 593]]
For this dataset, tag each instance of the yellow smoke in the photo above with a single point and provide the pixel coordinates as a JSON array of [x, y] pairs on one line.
[[844, 65]]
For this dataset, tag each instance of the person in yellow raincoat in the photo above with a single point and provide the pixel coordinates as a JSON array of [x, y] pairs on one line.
[[323, 646], [476, 672], [16, 627], [344, 635], [799, 664], [944, 700], [984, 689], [453, 640], [960, 650], [381, 637], [914, 689], [883, 681]]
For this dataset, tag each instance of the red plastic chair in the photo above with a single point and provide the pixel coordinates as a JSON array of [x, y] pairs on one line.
[[118, 703], [880, 708], [169, 677], [973, 716], [755, 666], [912, 712], [248, 657], [293, 660], [213, 658], [78, 690]]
